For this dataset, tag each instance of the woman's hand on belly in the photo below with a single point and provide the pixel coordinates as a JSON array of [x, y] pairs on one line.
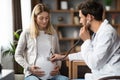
[[36, 71], [55, 71]]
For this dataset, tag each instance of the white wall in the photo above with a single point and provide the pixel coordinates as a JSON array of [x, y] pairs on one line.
[[6, 30], [25, 14]]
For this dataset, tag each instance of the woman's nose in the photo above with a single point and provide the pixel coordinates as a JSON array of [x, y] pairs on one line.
[[44, 20]]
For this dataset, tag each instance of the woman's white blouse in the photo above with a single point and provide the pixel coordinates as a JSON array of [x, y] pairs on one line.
[[44, 46]]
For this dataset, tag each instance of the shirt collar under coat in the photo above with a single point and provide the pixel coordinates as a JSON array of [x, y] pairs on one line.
[[102, 26]]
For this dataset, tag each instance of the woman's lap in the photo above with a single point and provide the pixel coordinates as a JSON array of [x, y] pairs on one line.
[[31, 77], [60, 77], [57, 77], [77, 79]]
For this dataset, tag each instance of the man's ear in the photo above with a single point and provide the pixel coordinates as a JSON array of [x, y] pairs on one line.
[[88, 17]]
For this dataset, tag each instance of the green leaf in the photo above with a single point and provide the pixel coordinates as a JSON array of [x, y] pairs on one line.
[[16, 34], [108, 2], [6, 52]]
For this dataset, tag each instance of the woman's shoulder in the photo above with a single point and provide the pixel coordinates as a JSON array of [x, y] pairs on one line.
[[54, 33], [26, 31]]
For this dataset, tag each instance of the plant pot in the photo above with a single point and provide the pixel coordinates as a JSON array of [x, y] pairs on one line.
[[0, 68], [107, 8], [18, 69]]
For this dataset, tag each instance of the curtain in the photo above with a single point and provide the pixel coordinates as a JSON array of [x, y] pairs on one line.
[[17, 20]]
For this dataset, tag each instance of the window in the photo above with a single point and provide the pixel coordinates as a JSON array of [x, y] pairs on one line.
[[6, 22], [25, 5]]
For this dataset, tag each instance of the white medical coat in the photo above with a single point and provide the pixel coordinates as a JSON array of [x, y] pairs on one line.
[[102, 54]]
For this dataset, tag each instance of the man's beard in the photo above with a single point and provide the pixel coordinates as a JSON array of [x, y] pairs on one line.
[[88, 27]]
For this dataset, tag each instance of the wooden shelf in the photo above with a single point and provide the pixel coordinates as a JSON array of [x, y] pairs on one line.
[[60, 11], [113, 11], [68, 25]]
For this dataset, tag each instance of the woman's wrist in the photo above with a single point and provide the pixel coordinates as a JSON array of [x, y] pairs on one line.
[[28, 68]]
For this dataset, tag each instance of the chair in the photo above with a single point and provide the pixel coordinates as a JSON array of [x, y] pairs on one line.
[[73, 68], [110, 78]]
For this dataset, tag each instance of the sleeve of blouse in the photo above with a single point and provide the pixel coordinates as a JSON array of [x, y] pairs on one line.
[[20, 50], [57, 48], [57, 45]]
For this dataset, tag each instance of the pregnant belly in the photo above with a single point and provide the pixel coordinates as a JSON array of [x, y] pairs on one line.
[[46, 66]]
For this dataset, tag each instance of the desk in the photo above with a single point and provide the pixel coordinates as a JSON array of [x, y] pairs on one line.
[[7, 74], [73, 68]]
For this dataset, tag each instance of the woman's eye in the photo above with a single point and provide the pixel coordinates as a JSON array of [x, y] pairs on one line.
[[46, 18], [41, 18]]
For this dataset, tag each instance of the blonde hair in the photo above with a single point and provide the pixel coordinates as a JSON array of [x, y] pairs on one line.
[[34, 30]]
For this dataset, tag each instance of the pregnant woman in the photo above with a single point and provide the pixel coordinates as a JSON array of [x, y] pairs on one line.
[[35, 46]]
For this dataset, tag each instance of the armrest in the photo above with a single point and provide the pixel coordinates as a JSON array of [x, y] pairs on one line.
[[110, 77]]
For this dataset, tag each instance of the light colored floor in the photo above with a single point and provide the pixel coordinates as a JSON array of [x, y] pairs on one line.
[[19, 77]]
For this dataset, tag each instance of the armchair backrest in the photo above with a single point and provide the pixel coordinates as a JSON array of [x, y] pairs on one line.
[[110, 78]]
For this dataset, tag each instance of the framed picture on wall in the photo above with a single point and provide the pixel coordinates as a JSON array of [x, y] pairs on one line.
[[63, 5]]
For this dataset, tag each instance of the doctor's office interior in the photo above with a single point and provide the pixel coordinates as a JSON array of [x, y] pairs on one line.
[[15, 17]]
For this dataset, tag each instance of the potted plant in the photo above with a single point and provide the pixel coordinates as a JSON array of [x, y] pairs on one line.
[[11, 50], [108, 4]]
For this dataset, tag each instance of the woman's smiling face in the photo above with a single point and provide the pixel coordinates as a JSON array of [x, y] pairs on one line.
[[42, 20]]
